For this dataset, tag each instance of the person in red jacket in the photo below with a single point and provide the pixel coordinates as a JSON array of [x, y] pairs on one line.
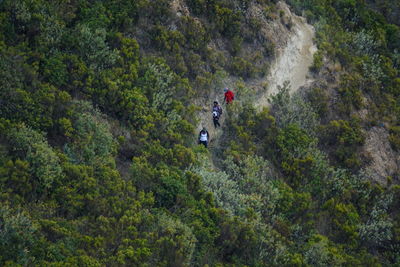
[[229, 96]]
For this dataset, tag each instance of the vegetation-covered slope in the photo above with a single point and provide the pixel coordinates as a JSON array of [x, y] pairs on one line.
[[97, 161]]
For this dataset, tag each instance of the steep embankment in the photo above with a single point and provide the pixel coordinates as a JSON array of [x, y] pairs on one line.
[[294, 56], [293, 60]]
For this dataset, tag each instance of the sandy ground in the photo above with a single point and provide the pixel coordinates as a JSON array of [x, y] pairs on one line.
[[293, 60]]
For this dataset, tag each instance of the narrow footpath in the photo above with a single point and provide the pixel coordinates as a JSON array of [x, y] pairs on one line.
[[292, 61], [292, 64]]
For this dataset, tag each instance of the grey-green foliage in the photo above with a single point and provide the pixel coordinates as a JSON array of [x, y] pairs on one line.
[[255, 179], [396, 58], [218, 81], [365, 46], [11, 83], [176, 242], [321, 172], [372, 69], [359, 183], [243, 186], [340, 181], [271, 249], [320, 25], [225, 190], [23, 138], [364, 43], [17, 236], [92, 142], [160, 80], [378, 229], [93, 47], [31, 145], [320, 253], [22, 12], [52, 31], [248, 185], [292, 109]]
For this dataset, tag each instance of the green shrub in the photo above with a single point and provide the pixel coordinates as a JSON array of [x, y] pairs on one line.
[[15, 177], [171, 191], [175, 242], [243, 68], [344, 221], [195, 33], [44, 164], [55, 70], [293, 109], [377, 231], [93, 48], [350, 93], [318, 61], [293, 141], [94, 16], [159, 11], [18, 237], [236, 44], [198, 7], [225, 190], [125, 13], [322, 253], [344, 137], [364, 43], [394, 137], [319, 100], [92, 143], [228, 21]]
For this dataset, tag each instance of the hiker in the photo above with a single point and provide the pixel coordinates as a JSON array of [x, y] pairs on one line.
[[229, 96], [217, 108], [216, 113], [203, 137], [216, 119]]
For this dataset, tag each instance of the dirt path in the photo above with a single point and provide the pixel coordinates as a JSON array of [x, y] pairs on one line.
[[293, 60]]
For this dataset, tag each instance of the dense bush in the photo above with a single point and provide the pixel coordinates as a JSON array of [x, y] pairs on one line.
[[91, 140], [97, 115], [289, 109], [18, 236], [394, 137], [44, 164], [344, 137]]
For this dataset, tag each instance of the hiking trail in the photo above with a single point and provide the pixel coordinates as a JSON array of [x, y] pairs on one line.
[[292, 62]]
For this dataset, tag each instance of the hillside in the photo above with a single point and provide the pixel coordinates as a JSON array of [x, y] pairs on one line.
[[100, 107]]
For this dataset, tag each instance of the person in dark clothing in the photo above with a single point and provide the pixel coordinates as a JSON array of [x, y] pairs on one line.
[[216, 119], [217, 108], [216, 113], [204, 137]]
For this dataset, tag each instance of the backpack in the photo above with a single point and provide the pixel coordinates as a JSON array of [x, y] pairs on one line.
[[217, 109], [203, 136]]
